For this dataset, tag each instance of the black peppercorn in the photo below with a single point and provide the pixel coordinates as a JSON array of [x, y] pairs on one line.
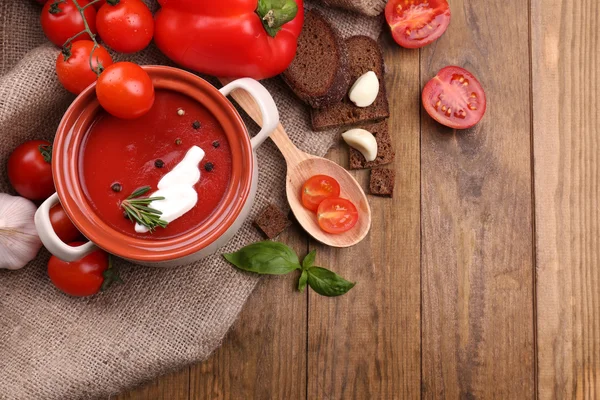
[[209, 166], [196, 125], [159, 163], [116, 187], [216, 144]]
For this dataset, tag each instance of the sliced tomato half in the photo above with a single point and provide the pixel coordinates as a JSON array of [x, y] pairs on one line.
[[336, 215], [318, 188], [455, 98], [416, 23]]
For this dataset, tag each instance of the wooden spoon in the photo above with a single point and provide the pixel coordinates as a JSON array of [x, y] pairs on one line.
[[300, 167]]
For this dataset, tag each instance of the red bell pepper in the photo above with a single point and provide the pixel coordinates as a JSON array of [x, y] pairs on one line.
[[230, 38]]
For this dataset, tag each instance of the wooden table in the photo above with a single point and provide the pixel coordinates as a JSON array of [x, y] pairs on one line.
[[481, 278]]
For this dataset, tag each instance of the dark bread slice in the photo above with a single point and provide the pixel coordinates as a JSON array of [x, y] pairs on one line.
[[319, 73], [382, 182], [385, 150], [272, 221], [364, 55]]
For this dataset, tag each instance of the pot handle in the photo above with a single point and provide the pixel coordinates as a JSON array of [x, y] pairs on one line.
[[268, 109], [51, 240]]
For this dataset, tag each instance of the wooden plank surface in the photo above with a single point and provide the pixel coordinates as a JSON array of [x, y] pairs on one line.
[[366, 344], [566, 102], [464, 323], [477, 256]]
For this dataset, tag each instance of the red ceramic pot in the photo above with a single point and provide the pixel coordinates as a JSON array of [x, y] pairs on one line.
[[189, 246]]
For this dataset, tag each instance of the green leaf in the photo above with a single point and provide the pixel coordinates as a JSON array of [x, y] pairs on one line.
[[271, 258], [303, 280], [327, 283], [309, 260]]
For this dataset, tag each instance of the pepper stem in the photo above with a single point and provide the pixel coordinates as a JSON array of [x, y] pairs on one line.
[[276, 13]]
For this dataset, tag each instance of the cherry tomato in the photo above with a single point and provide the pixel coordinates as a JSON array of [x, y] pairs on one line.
[[62, 225], [455, 98], [337, 215], [416, 23], [30, 171], [61, 21], [79, 278], [125, 90], [318, 188], [74, 70], [126, 27]]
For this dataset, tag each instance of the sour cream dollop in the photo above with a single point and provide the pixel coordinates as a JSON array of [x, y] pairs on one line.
[[177, 187]]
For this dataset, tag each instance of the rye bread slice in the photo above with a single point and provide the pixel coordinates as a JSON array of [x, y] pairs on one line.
[[272, 221], [385, 150], [319, 73], [364, 55], [382, 182]]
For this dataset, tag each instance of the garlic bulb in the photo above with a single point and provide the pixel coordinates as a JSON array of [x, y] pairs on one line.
[[19, 241]]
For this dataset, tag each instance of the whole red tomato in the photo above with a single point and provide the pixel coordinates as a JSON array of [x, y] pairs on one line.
[[233, 38], [62, 20], [62, 225], [84, 277], [125, 90], [127, 26], [74, 70], [30, 171]]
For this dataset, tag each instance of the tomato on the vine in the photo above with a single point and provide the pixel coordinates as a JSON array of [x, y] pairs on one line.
[[84, 277], [455, 98], [30, 171], [73, 68], [61, 20], [127, 26], [62, 225], [417, 23], [336, 215], [318, 188], [125, 90]]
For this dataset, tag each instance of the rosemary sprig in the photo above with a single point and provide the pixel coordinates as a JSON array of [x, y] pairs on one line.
[[137, 209]]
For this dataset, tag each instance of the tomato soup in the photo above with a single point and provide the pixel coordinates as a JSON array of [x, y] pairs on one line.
[[129, 154]]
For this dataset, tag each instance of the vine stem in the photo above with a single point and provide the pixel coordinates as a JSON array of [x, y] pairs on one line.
[[98, 70]]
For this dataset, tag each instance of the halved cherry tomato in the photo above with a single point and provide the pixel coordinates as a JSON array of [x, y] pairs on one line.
[[317, 189], [125, 90], [337, 215], [84, 277], [62, 20], [126, 27], [62, 225], [455, 98], [416, 23], [74, 70], [30, 170]]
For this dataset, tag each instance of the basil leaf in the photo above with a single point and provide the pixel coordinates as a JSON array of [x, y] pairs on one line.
[[303, 280], [272, 258], [309, 260], [327, 283]]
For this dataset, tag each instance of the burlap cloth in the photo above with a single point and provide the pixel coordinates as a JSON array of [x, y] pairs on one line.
[[53, 346]]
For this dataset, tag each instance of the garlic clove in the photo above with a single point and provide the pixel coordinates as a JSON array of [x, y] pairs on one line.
[[363, 141], [365, 90]]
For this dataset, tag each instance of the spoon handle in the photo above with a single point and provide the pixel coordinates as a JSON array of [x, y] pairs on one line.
[[291, 153]]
